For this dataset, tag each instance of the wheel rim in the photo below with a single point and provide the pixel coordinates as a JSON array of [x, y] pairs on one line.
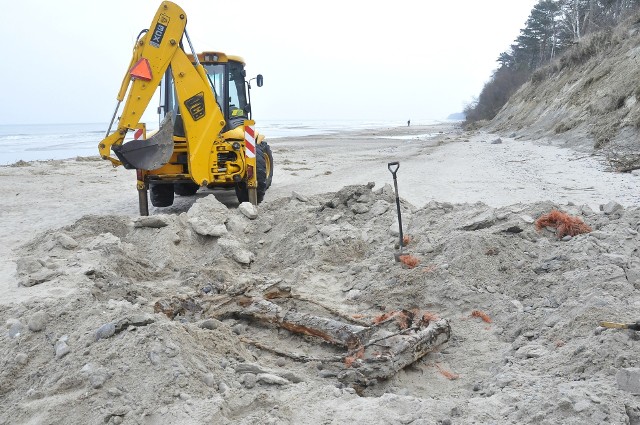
[[267, 163]]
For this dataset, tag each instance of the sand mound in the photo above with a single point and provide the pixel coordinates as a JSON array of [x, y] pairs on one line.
[[524, 308]]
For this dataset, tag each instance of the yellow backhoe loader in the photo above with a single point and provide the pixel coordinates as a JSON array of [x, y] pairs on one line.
[[207, 137]]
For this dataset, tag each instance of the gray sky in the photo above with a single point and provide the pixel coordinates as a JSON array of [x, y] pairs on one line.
[[371, 60]]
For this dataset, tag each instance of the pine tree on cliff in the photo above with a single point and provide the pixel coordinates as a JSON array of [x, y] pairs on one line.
[[552, 27]]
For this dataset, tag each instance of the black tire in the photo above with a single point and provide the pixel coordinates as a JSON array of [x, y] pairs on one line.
[[262, 155], [161, 195], [185, 189], [261, 172], [266, 153]]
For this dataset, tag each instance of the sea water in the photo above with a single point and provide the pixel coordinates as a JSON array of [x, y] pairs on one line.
[[41, 142]]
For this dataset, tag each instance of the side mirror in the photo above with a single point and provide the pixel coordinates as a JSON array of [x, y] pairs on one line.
[[259, 80]]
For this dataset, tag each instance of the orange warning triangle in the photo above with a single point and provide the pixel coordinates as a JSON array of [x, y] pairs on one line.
[[141, 70]]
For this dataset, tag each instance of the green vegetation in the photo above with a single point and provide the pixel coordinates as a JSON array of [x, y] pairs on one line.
[[566, 32]]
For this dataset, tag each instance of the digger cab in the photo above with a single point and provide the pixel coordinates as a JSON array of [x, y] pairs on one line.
[[226, 76]]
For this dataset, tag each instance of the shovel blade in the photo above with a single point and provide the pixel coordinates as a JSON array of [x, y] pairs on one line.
[[151, 153]]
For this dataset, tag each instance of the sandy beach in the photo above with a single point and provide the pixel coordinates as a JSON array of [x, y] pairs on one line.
[[75, 259], [437, 163]]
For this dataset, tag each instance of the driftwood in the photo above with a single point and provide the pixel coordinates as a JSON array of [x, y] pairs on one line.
[[385, 357], [332, 331], [293, 356], [373, 352], [278, 293], [177, 306], [621, 158]]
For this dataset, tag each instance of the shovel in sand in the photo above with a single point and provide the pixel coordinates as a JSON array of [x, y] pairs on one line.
[[393, 167]]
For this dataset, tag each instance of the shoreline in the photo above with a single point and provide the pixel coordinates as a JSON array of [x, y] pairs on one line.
[[67, 141]]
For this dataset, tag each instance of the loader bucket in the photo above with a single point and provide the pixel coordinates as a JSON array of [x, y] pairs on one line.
[[151, 153]]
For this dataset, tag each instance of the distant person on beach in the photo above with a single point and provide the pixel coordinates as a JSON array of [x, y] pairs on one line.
[[408, 123]]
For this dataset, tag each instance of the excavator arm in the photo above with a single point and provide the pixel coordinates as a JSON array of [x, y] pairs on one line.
[[157, 50]]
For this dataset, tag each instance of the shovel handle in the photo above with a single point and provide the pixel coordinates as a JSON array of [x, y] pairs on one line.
[[393, 167]]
